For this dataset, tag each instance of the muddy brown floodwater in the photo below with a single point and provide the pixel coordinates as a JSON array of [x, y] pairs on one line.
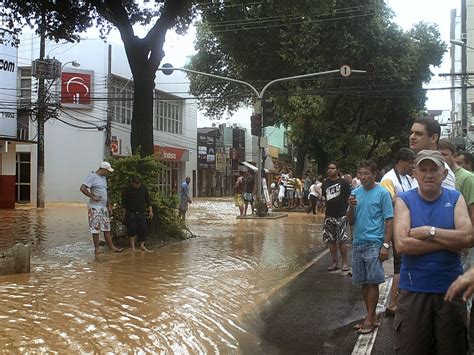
[[197, 296]]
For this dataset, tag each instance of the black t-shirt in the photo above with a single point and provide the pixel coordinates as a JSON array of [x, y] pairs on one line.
[[136, 200], [336, 193]]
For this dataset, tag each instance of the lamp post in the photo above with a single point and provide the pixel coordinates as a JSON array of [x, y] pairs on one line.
[[464, 46], [345, 71]]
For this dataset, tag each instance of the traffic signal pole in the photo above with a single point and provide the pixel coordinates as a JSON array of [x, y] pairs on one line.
[[344, 70]]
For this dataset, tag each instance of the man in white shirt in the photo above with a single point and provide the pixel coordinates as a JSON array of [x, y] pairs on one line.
[[395, 181], [424, 135]]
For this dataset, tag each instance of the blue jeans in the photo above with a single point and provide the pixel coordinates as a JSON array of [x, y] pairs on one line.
[[367, 269]]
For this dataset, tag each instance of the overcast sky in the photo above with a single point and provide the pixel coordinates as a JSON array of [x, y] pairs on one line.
[[408, 12]]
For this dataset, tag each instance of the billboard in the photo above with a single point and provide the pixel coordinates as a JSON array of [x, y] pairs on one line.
[[8, 83]]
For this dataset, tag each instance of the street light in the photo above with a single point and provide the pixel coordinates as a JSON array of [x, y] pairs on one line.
[[345, 71], [458, 42], [74, 63]]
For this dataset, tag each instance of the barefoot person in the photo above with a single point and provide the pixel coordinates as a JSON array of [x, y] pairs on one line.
[[95, 187], [371, 212], [184, 199], [136, 203]]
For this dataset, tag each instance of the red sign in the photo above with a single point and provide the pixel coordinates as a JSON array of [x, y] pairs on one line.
[[170, 153], [76, 88]]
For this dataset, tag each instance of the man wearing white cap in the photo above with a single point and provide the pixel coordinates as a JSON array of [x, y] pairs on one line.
[[431, 227], [95, 187]]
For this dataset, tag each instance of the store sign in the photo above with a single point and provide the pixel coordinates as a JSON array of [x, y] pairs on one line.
[[221, 162], [8, 84], [171, 154], [76, 89], [206, 151]]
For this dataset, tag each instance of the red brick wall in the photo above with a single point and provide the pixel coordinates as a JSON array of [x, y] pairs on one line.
[[7, 191]]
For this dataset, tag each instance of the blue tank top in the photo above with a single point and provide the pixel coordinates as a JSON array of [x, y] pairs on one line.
[[432, 272]]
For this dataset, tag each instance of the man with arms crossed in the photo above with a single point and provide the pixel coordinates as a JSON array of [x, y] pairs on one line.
[[371, 212], [336, 192], [431, 228]]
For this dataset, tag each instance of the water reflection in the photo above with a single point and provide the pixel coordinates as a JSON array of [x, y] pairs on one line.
[[188, 297]]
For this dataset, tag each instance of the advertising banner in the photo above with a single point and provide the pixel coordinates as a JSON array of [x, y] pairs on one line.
[[76, 89], [8, 84]]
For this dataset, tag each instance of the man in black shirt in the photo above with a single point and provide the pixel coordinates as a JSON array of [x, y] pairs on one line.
[[336, 192], [135, 203]]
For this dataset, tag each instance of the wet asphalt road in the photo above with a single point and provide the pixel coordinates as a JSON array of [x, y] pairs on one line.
[[316, 312]]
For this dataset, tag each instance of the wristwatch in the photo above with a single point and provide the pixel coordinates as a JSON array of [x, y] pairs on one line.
[[432, 233], [386, 245]]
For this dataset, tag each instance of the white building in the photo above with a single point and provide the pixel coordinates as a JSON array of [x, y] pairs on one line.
[[89, 96]]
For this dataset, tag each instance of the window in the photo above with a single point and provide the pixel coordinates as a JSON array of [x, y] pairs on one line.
[[25, 87], [122, 100], [168, 114], [168, 179]]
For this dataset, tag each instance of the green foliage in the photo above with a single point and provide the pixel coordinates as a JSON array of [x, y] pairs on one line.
[[330, 117], [166, 224]]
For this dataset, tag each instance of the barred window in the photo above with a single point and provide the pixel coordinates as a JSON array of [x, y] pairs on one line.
[[122, 99], [168, 115]]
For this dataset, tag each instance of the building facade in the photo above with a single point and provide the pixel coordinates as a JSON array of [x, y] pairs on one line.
[[91, 116]]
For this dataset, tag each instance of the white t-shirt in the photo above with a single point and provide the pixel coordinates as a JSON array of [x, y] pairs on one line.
[[313, 190], [97, 184], [396, 184]]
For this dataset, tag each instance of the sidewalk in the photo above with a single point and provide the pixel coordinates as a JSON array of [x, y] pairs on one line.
[[316, 312]]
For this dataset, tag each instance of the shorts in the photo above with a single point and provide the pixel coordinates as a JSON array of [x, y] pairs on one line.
[[426, 324], [334, 230], [280, 198], [183, 205], [136, 225], [248, 197], [367, 269], [239, 202], [297, 194], [99, 220], [290, 193]]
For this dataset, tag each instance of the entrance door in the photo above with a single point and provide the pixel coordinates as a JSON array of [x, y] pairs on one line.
[[23, 177]]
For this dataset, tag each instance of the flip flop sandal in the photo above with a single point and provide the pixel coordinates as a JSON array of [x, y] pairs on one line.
[[332, 268], [366, 329], [360, 325], [345, 268]]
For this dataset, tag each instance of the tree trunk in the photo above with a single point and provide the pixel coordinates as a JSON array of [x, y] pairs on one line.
[[141, 137]]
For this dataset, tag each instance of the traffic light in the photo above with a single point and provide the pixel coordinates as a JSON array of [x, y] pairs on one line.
[[268, 113], [256, 125], [371, 75]]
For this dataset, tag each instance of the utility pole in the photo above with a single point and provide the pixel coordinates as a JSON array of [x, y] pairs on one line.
[[40, 118], [108, 125], [464, 122]]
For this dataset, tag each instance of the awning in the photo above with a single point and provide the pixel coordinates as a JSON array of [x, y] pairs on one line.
[[250, 166]]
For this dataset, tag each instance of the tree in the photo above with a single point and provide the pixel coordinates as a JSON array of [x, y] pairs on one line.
[[66, 19], [329, 117]]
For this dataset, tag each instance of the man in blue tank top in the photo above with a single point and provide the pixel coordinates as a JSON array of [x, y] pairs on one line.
[[431, 227]]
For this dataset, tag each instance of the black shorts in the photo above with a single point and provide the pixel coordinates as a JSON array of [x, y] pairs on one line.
[[426, 324], [136, 225]]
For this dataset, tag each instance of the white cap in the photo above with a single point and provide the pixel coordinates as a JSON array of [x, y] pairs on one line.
[[106, 165]]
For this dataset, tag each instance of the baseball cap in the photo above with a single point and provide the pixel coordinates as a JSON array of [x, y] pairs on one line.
[[432, 155], [106, 165]]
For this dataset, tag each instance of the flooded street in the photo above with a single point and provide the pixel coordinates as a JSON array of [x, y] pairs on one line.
[[197, 296]]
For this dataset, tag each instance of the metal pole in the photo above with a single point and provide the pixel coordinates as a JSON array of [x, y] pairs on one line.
[[464, 122], [168, 69], [108, 125], [40, 118]]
